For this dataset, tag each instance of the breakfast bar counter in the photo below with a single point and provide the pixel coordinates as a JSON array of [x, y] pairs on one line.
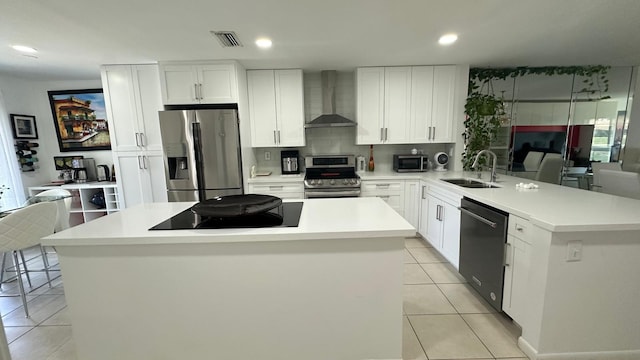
[[330, 288]]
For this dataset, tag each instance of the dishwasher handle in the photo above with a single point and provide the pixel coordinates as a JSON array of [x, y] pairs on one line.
[[478, 217]]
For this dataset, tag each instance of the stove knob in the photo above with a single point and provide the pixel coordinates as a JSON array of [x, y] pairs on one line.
[[312, 182], [353, 181], [345, 181], [319, 182], [332, 182]]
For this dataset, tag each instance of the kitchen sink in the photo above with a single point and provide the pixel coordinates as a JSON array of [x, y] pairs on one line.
[[470, 183]]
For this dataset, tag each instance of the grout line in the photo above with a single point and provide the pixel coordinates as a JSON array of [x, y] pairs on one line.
[[476, 334], [424, 351]]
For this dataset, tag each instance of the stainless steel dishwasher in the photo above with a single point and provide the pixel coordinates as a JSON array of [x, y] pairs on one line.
[[483, 235]]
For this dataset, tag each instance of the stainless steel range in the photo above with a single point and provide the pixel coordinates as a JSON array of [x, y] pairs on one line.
[[331, 176]]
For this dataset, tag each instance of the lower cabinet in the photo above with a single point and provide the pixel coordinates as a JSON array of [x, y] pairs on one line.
[[283, 190], [140, 177], [440, 221], [83, 206], [392, 192], [516, 271]]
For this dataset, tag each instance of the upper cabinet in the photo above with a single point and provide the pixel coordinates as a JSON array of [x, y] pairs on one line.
[[132, 103], [199, 83], [405, 105], [276, 108]]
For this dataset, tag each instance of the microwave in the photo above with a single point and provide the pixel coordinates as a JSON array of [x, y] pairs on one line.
[[410, 163]]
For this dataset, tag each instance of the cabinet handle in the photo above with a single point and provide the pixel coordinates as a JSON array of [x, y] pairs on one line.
[[433, 137], [144, 161], [424, 188], [439, 212], [278, 136], [275, 141], [386, 134], [381, 134], [139, 162], [200, 88], [142, 139], [506, 254], [383, 186], [137, 139], [519, 228], [276, 188], [195, 91]]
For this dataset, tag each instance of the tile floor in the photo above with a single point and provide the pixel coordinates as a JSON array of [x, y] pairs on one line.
[[443, 317]]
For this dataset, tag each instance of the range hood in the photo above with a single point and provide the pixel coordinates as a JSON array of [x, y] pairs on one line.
[[329, 118]]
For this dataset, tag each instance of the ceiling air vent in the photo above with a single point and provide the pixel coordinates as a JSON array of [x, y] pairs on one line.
[[227, 38]]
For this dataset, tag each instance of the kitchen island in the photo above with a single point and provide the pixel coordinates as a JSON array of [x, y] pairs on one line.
[[330, 288]]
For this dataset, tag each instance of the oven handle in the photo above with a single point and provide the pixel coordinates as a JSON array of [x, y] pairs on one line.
[[326, 194], [478, 217]]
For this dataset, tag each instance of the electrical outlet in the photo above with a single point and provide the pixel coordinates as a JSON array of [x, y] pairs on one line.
[[267, 155], [574, 250]]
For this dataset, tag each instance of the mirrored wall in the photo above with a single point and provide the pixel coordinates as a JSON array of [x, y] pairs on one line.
[[554, 130]]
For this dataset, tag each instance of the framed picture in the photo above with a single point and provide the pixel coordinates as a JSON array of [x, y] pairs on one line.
[[24, 126], [80, 119]]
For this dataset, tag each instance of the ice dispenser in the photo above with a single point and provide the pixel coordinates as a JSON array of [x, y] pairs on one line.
[[177, 161]]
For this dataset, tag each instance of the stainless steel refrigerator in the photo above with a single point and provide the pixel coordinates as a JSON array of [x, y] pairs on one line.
[[201, 153]]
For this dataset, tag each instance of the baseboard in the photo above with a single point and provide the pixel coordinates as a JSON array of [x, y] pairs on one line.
[[533, 354]]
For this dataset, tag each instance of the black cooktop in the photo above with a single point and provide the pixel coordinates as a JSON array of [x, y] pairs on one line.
[[285, 215]]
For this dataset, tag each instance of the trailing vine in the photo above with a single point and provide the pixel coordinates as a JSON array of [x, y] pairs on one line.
[[486, 112]]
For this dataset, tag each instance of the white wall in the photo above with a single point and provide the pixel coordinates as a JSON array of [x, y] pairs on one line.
[[30, 97]]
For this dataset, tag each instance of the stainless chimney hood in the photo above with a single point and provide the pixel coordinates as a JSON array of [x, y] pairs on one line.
[[329, 118]]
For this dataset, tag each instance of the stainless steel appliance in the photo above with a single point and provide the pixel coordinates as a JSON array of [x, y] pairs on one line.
[[330, 176], [289, 162], [410, 163], [201, 153], [329, 117], [483, 237], [83, 170], [103, 173]]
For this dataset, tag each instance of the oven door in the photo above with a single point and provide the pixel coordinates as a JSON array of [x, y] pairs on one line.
[[330, 193]]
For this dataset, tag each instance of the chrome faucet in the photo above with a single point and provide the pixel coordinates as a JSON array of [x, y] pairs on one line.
[[494, 177]]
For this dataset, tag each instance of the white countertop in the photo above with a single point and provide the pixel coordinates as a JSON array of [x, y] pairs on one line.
[[321, 219], [552, 207]]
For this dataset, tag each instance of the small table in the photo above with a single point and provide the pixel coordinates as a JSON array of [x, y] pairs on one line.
[[34, 200]]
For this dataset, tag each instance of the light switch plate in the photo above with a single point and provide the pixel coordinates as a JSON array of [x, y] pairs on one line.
[[267, 155]]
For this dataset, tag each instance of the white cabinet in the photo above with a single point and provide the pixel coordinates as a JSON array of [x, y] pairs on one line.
[[283, 190], [392, 192], [82, 209], [140, 177], [276, 108], [199, 83], [405, 105], [412, 197], [516, 271], [132, 99], [440, 221]]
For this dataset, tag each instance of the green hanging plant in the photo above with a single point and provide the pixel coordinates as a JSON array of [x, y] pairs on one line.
[[484, 117]]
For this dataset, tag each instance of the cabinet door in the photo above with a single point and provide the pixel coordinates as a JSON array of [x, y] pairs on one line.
[[120, 107], [434, 225], [450, 233], [178, 83], [131, 188], [443, 101], [369, 105], [397, 105], [424, 210], [421, 104], [217, 84], [412, 197], [154, 177], [289, 107], [146, 82], [516, 278], [262, 107]]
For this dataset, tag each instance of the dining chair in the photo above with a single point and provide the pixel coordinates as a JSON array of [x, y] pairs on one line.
[[64, 206], [599, 166], [533, 160], [620, 183], [23, 229], [550, 169]]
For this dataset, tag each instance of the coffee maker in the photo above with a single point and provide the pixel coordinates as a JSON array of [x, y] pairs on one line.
[[289, 162], [84, 170]]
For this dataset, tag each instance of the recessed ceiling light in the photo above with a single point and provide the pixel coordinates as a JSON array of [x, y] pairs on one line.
[[25, 49], [448, 39], [263, 43]]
